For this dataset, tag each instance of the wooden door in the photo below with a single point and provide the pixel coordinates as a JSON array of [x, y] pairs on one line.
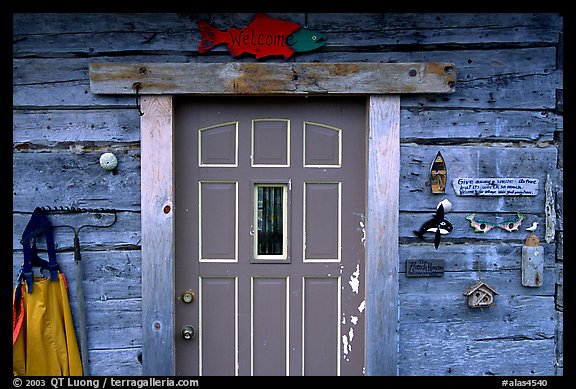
[[269, 218]]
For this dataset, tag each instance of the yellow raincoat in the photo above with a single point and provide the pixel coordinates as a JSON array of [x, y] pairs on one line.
[[43, 337], [43, 332]]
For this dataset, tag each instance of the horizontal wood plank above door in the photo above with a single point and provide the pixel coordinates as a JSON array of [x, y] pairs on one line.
[[237, 78]]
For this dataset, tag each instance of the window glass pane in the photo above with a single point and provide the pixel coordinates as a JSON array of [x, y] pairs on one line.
[[270, 220]]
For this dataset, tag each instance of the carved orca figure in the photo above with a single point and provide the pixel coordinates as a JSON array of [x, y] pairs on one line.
[[438, 225]]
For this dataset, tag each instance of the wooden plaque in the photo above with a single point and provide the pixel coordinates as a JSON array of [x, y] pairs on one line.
[[495, 186], [424, 267]]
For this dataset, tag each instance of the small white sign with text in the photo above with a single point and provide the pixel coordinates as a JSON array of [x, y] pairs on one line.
[[495, 186]]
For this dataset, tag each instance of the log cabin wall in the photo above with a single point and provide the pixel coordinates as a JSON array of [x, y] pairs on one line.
[[503, 120]]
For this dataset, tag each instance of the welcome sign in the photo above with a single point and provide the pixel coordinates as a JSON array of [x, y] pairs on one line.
[[263, 37]]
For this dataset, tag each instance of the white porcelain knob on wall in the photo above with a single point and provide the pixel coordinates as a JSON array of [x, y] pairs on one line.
[[108, 161]]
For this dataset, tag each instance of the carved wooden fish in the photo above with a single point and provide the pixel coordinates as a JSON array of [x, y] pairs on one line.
[[263, 37], [306, 40], [479, 225], [512, 225]]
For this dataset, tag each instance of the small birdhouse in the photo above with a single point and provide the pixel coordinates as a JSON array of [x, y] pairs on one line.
[[480, 295]]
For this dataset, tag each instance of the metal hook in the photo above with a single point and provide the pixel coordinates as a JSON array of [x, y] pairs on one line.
[[137, 86]]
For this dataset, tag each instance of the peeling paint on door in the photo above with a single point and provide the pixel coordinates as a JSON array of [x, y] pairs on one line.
[[354, 279], [361, 227], [347, 342]]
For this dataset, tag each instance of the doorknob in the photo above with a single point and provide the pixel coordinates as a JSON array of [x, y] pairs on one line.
[[188, 296], [188, 332]]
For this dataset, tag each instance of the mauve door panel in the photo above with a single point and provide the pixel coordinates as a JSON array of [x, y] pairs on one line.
[[218, 329], [218, 145], [322, 222], [321, 324], [269, 325], [289, 173], [218, 204]]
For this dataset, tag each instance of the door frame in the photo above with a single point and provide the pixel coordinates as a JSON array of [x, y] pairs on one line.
[[380, 83], [381, 227]]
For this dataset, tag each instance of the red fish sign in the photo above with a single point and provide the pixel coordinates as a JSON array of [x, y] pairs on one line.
[[263, 37]]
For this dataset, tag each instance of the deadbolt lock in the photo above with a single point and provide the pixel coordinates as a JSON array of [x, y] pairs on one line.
[[188, 332], [188, 296]]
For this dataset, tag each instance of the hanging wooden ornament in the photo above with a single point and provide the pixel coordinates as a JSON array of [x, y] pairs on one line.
[[479, 225], [532, 262], [438, 176], [438, 224], [480, 295], [512, 225]]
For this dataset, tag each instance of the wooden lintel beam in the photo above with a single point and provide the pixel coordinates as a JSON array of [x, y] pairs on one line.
[[238, 78]]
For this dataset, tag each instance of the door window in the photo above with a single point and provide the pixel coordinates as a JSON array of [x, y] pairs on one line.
[[270, 219]]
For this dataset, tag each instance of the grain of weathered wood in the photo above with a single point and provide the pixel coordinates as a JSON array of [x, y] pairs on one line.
[[484, 80], [452, 28], [448, 350], [453, 284], [31, 23], [74, 177], [238, 78], [494, 256], [559, 341], [123, 235], [550, 210], [100, 34], [116, 362], [435, 310], [382, 235], [559, 190], [113, 128], [114, 323], [530, 315], [157, 236], [42, 83], [472, 64], [108, 275], [491, 92], [423, 126], [532, 266], [81, 171]]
